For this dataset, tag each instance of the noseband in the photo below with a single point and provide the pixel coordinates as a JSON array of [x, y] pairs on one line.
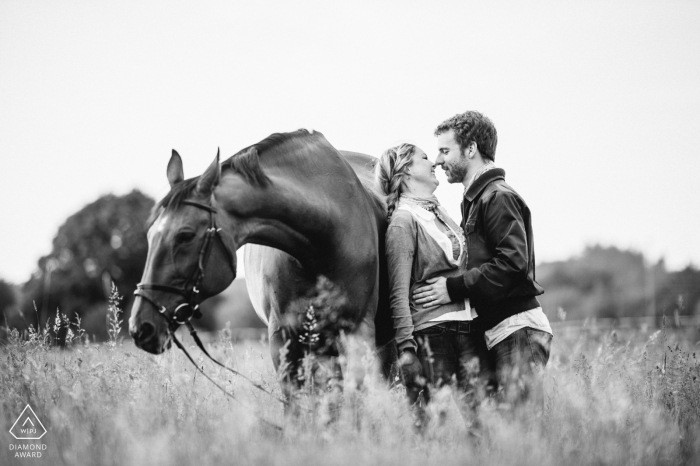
[[190, 308]]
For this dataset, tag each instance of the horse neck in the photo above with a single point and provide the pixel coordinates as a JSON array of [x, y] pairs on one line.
[[313, 206]]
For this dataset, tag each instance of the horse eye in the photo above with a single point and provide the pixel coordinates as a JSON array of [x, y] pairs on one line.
[[184, 237]]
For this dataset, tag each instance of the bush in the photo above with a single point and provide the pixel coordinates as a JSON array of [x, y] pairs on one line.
[[102, 243]]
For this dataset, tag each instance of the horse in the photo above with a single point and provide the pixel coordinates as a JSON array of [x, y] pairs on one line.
[[314, 261]]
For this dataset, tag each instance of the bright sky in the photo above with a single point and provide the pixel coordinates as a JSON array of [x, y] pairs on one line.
[[597, 103]]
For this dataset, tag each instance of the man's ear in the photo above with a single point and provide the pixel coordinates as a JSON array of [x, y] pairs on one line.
[[210, 178], [175, 173]]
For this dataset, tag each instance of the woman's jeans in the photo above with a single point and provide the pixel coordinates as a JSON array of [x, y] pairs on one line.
[[520, 360], [452, 351]]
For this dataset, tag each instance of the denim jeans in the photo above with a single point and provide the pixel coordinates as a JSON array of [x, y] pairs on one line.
[[520, 360], [452, 351]]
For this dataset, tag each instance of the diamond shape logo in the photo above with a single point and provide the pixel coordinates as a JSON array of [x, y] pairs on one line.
[[28, 426]]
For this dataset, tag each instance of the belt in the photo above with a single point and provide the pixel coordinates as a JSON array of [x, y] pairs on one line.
[[460, 326]]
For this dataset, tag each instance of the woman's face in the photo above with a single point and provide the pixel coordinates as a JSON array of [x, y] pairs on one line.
[[422, 170]]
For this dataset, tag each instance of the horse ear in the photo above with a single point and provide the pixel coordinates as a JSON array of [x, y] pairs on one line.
[[210, 178], [175, 173]]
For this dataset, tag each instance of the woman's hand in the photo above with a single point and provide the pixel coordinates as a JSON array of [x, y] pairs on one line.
[[411, 367], [433, 294]]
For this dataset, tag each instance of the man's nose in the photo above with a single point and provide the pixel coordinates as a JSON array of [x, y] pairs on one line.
[[439, 160]]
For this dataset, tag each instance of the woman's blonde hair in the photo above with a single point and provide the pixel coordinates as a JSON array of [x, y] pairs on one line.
[[389, 172]]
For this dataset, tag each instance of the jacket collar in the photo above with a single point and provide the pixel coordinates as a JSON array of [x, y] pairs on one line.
[[480, 183]]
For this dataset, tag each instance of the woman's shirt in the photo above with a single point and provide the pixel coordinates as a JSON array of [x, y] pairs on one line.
[[420, 247]]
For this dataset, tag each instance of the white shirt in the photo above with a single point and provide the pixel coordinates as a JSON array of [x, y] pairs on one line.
[[428, 221], [534, 318]]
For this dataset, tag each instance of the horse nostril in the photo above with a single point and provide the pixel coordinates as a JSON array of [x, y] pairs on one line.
[[146, 331]]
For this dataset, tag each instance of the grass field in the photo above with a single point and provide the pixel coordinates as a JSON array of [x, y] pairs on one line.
[[613, 397]]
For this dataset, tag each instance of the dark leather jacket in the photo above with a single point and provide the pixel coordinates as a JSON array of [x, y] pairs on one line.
[[500, 277]]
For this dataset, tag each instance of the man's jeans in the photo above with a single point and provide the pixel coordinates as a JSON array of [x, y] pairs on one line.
[[447, 350], [520, 360]]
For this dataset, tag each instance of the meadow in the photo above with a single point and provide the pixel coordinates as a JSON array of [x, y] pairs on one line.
[[613, 397]]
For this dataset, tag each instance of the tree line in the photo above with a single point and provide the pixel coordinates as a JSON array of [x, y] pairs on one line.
[[105, 242]]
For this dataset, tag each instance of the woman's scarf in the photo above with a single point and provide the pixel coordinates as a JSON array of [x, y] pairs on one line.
[[432, 205]]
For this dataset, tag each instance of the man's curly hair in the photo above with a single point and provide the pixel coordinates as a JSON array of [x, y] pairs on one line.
[[472, 126]]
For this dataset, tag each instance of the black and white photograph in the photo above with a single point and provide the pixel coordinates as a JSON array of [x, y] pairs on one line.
[[396, 233]]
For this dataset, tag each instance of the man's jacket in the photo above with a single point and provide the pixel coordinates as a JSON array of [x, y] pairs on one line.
[[500, 276]]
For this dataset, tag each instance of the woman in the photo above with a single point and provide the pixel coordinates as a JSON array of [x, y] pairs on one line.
[[422, 243]]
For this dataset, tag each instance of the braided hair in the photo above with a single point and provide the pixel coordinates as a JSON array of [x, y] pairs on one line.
[[389, 172]]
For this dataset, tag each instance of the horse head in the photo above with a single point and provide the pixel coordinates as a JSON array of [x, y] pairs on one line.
[[190, 258]]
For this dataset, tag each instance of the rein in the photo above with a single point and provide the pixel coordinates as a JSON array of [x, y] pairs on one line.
[[193, 332], [184, 312], [226, 392], [190, 308]]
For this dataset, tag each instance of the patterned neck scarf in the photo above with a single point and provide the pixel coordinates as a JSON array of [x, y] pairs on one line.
[[428, 203], [432, 205]]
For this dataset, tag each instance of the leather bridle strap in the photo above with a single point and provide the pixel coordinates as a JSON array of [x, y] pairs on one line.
[[191, 294], [193, 332], [226, 392]]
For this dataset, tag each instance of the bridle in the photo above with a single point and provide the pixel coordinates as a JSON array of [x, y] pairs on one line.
[[184, 312], [190, 308]]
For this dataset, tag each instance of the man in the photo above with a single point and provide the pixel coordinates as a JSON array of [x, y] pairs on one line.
[[499, 279]]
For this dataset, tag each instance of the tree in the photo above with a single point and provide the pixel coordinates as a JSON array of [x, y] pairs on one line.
[[8, 303], [680, 293], [104, 241], [7, 295], [609, 282], [602, 282]]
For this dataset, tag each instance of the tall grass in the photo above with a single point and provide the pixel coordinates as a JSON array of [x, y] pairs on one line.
[[612, 398]]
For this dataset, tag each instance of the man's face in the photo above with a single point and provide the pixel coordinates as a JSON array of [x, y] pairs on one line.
[[450, 157]]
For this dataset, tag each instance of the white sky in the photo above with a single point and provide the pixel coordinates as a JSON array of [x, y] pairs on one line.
[[597, 103]]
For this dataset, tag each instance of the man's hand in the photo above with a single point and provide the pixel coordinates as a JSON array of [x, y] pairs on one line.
[[410, 366], [433, 294]]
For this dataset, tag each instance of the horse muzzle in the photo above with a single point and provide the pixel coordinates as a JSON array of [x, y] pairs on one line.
[[152, 335], [148, 340]]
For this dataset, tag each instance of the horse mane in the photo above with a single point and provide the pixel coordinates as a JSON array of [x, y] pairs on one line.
[[246, 162], [178, 193]]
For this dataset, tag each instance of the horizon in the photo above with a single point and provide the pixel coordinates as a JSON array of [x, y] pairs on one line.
[[648, 263]]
